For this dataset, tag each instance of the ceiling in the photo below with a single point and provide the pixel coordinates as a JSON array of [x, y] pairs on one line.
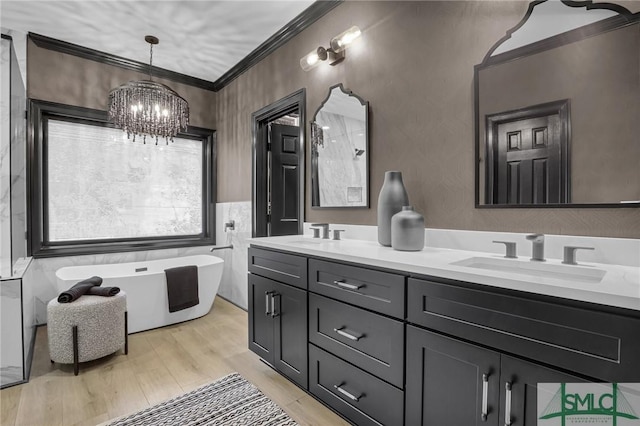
[[202, 39]]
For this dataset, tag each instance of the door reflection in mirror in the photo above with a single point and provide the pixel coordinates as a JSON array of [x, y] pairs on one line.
[[594, 67]]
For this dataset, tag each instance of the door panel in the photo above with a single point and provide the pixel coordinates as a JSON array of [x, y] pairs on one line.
[[523, 378], [529, 161], [528, 155], [260, 323], [290, 322], [445, 381], [285, 188]]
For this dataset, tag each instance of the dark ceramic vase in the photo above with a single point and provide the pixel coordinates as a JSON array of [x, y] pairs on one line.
[[407, 230], [392, 197]]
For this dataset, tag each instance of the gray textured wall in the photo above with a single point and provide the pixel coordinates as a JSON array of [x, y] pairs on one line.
[[414, 65]]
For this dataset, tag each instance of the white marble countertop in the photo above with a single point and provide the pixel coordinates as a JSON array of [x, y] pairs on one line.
[[619, 287]]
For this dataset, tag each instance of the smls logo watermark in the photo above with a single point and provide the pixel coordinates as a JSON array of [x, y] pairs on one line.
[[561, 404]]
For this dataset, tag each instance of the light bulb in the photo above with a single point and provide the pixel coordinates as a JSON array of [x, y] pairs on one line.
[[344, 40], [313, 58]]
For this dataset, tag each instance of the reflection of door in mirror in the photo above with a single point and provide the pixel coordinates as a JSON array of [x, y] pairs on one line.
[[339, 163], [597, 67], [527, 155]]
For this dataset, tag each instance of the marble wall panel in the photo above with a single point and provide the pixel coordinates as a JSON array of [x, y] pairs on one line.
[[5, 161]]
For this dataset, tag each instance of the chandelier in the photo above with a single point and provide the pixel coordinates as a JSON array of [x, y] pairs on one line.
[[146, 108]]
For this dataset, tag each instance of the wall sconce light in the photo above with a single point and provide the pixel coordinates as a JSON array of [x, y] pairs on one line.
[[334, 54]]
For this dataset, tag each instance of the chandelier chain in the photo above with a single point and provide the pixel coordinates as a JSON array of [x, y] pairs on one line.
[[150, 60]]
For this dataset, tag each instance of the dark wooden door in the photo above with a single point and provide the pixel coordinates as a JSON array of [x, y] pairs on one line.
[[523, 377], [290, 332], [446, 381], [260, 320], [528, 155], [284, 187]]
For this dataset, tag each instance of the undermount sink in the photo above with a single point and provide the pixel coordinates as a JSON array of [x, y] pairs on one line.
[[534, 269]]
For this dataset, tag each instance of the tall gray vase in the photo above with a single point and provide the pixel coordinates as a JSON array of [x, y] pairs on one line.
[[392, 197]]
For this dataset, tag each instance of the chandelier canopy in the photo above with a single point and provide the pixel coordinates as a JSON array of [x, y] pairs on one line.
[[146, 108]]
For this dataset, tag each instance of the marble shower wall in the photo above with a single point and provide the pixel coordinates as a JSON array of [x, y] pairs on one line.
[[18, 161], [41, 279], [13, 196], [5, 169]]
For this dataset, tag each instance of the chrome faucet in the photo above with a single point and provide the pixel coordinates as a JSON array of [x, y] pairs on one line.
[[325, 230], [537, 249], [570, 254]]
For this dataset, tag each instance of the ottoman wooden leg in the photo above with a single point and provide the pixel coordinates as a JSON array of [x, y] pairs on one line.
[[126, 332], [76, 367]]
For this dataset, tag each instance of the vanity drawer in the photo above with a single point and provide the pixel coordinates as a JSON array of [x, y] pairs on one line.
[[362, 398], [370, 341], [378, 291], [598, 344], [283, 267]]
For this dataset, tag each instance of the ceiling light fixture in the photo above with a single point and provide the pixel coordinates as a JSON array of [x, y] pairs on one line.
[[147, 108], [334, 54]]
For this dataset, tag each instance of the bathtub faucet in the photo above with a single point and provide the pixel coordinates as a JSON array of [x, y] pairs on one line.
[[229, 246]]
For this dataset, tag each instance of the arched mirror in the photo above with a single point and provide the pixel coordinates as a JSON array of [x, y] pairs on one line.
[[340, 151], [557, 104]]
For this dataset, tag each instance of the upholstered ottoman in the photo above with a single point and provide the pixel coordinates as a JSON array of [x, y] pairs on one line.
[[86, 329]]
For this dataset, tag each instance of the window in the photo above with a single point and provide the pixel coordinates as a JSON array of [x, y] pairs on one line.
[[96, 191]]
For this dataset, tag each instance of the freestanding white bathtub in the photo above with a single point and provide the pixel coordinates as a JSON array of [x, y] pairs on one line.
[[146, 289]]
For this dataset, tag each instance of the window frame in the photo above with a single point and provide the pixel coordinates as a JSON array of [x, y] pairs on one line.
[[40, 112]]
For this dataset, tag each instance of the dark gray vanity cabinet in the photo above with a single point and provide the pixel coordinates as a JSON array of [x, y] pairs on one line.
[[278, 313], [518, 389], [356, 341], [451, 382], [381, 347]]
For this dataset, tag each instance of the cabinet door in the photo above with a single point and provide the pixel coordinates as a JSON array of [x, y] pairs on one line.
[[450, 382], [520, 404], [290, 332], [260, 320]]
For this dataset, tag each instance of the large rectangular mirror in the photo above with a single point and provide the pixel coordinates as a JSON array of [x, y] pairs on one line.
[[558, 110], [340, 151]]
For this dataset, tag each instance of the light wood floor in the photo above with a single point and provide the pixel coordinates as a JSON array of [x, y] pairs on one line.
[[161, 364]]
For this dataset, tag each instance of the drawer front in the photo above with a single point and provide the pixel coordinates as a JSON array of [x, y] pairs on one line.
[[370, 341], [597, 344], [283, 267], [378, 291], [357, 395]]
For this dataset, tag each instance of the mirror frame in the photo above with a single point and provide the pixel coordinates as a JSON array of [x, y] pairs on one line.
[[623, 19], [314, 181]]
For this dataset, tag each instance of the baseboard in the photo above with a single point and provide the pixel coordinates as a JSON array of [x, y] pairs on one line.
[[233, 303]]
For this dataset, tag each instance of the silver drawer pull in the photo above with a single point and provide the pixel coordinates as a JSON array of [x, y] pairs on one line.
[[485, 391], [348, 335], [267, 303], [347, 394], [507, 404], [341, 283]]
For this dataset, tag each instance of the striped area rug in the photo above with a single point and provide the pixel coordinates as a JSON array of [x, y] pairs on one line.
[[229, 401]]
